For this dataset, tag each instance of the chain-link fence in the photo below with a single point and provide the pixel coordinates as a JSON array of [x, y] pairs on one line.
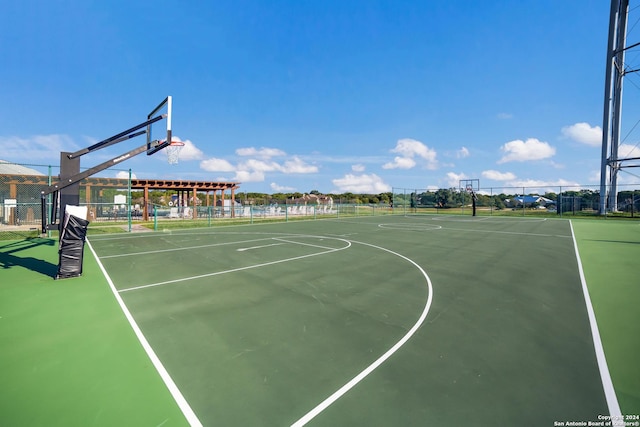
[[111, 202], [581, 200], [21, 186]]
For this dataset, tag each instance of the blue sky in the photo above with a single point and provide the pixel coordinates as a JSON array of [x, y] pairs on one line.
[[335, 96]]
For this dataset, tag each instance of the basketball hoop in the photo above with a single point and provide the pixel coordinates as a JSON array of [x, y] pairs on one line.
[[173, 151]]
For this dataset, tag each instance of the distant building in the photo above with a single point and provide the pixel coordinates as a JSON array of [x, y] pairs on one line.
[[529, 200]]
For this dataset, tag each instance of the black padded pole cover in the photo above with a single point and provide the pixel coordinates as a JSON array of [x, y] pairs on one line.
[[71, 248]]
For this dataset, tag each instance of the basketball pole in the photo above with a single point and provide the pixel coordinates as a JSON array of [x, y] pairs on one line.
[[72, 229]]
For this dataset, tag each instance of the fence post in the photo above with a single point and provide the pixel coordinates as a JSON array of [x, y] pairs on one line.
[[492, 201], [560, 202], [49, 202], [155, 218], [129, 199], [404, 202]]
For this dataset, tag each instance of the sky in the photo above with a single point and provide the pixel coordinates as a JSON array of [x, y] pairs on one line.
[[359, 96]]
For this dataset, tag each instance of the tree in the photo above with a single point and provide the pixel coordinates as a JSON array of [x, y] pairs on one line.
[[443, 198], [498, 202]]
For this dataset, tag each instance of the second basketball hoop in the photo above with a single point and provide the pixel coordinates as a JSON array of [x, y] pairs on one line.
[[173, 151]]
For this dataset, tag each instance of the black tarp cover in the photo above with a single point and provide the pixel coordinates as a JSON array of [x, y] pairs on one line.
[[71, 249]]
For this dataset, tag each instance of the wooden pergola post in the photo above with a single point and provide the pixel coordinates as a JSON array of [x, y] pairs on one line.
[[145, 210], [195, 203]]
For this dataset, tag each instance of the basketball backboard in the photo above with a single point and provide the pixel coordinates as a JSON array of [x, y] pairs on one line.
[[159, 132], [470, 185]]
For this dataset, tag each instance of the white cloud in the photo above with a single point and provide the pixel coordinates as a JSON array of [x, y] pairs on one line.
[[259, 165], [498, 176], [400, 163], [280, 188], [628, 150], [216, 165], [522, 151], [37, 147], [189, 151], [254, 170], [410, 149], [125, 175], [537, 186], [358, 168], [584, 133], [556, 165], [263, 152], [364, 183], [537, 183], [297, 165], [249, 176], [453, 179], [462, 153]]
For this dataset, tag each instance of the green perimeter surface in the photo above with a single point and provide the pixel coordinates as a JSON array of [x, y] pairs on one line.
[[69, 357], [610, 253]]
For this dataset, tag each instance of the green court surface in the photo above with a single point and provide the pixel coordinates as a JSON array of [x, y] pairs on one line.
[[610, 254], [69, 357], [370, 321]]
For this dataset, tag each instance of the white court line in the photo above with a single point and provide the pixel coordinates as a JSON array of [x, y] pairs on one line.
[[362, 375], [171, 385], [301, 243], [217, 273], [410, 227], [185, 248], [258, 247], [282, 242], [459, 219], [199, 231], [605, 376]]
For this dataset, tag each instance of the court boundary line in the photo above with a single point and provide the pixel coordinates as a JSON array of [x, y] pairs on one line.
[[605, 376], [249, 267], [182, 403], [380, 360]]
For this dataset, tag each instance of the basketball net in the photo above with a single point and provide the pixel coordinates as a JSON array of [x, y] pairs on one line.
[[173, 151]]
